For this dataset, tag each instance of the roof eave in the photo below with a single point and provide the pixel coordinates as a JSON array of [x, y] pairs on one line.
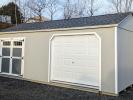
[[63, 29]]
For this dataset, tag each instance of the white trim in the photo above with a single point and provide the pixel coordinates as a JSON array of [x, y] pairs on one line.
[[9, 74], [49, 60], [116, 62], [23, 51], [100, 66], [85, 33], [81, 85], [60, 29], [11, 54], [0, 54]]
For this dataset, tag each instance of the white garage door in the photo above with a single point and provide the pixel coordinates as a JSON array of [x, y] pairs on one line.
[[75, 59]]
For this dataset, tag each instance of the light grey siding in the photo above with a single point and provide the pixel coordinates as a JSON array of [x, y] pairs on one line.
[[125, 53], [37, 54]]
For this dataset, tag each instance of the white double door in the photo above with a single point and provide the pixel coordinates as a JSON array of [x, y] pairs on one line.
[[11, 55]]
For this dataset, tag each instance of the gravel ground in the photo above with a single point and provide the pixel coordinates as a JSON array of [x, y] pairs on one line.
[[14, 89]]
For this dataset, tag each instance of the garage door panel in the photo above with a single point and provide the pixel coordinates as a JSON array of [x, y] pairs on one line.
[[69, 64], [77, 70], [75, 59], [76, 78]]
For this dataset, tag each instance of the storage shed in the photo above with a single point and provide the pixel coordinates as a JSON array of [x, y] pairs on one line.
[[81, 53]]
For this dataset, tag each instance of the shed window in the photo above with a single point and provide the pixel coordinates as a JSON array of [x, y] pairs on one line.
[[5, 65], [17, 43], [17, 52], [5, 51], [6, 43], [16, 66]]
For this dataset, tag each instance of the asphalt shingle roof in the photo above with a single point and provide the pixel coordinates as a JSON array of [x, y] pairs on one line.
[[69, 23]]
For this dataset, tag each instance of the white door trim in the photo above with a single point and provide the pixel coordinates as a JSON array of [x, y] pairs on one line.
[[73, 34]]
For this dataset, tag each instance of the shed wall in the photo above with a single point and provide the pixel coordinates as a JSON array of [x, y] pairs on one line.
[[37, 55], [125, 53]]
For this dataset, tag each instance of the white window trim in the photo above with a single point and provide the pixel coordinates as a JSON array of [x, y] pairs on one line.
[[70, 34], [11, 46]]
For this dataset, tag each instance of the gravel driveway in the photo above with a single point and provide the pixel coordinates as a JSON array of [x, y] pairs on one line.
[[14, 89]]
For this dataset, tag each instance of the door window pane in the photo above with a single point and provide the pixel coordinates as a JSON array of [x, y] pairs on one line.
[[6, 43], [16, 66], [5, 51], [17, 43], [5, 65], [17, 52]]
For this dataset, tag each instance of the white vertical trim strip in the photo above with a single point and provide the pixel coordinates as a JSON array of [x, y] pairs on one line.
[[11, 54], [23, 51], [116, 62], [100, 57], [0, 55], [49, 62]]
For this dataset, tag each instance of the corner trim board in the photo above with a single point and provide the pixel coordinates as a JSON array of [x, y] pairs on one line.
[[116, 62]]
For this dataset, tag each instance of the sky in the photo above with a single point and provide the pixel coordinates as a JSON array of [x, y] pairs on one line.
[[103, 5], [2, 2]]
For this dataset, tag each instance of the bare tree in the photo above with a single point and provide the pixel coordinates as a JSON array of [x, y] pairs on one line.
[[128, 5], [37, 7], [74, 10], [91, 7], [24, 9], [122, 5], [79, 9], [68, 9], [52, 8], [117, 5]]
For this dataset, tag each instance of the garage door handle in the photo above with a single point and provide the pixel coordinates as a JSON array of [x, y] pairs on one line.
[[73, 62]]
